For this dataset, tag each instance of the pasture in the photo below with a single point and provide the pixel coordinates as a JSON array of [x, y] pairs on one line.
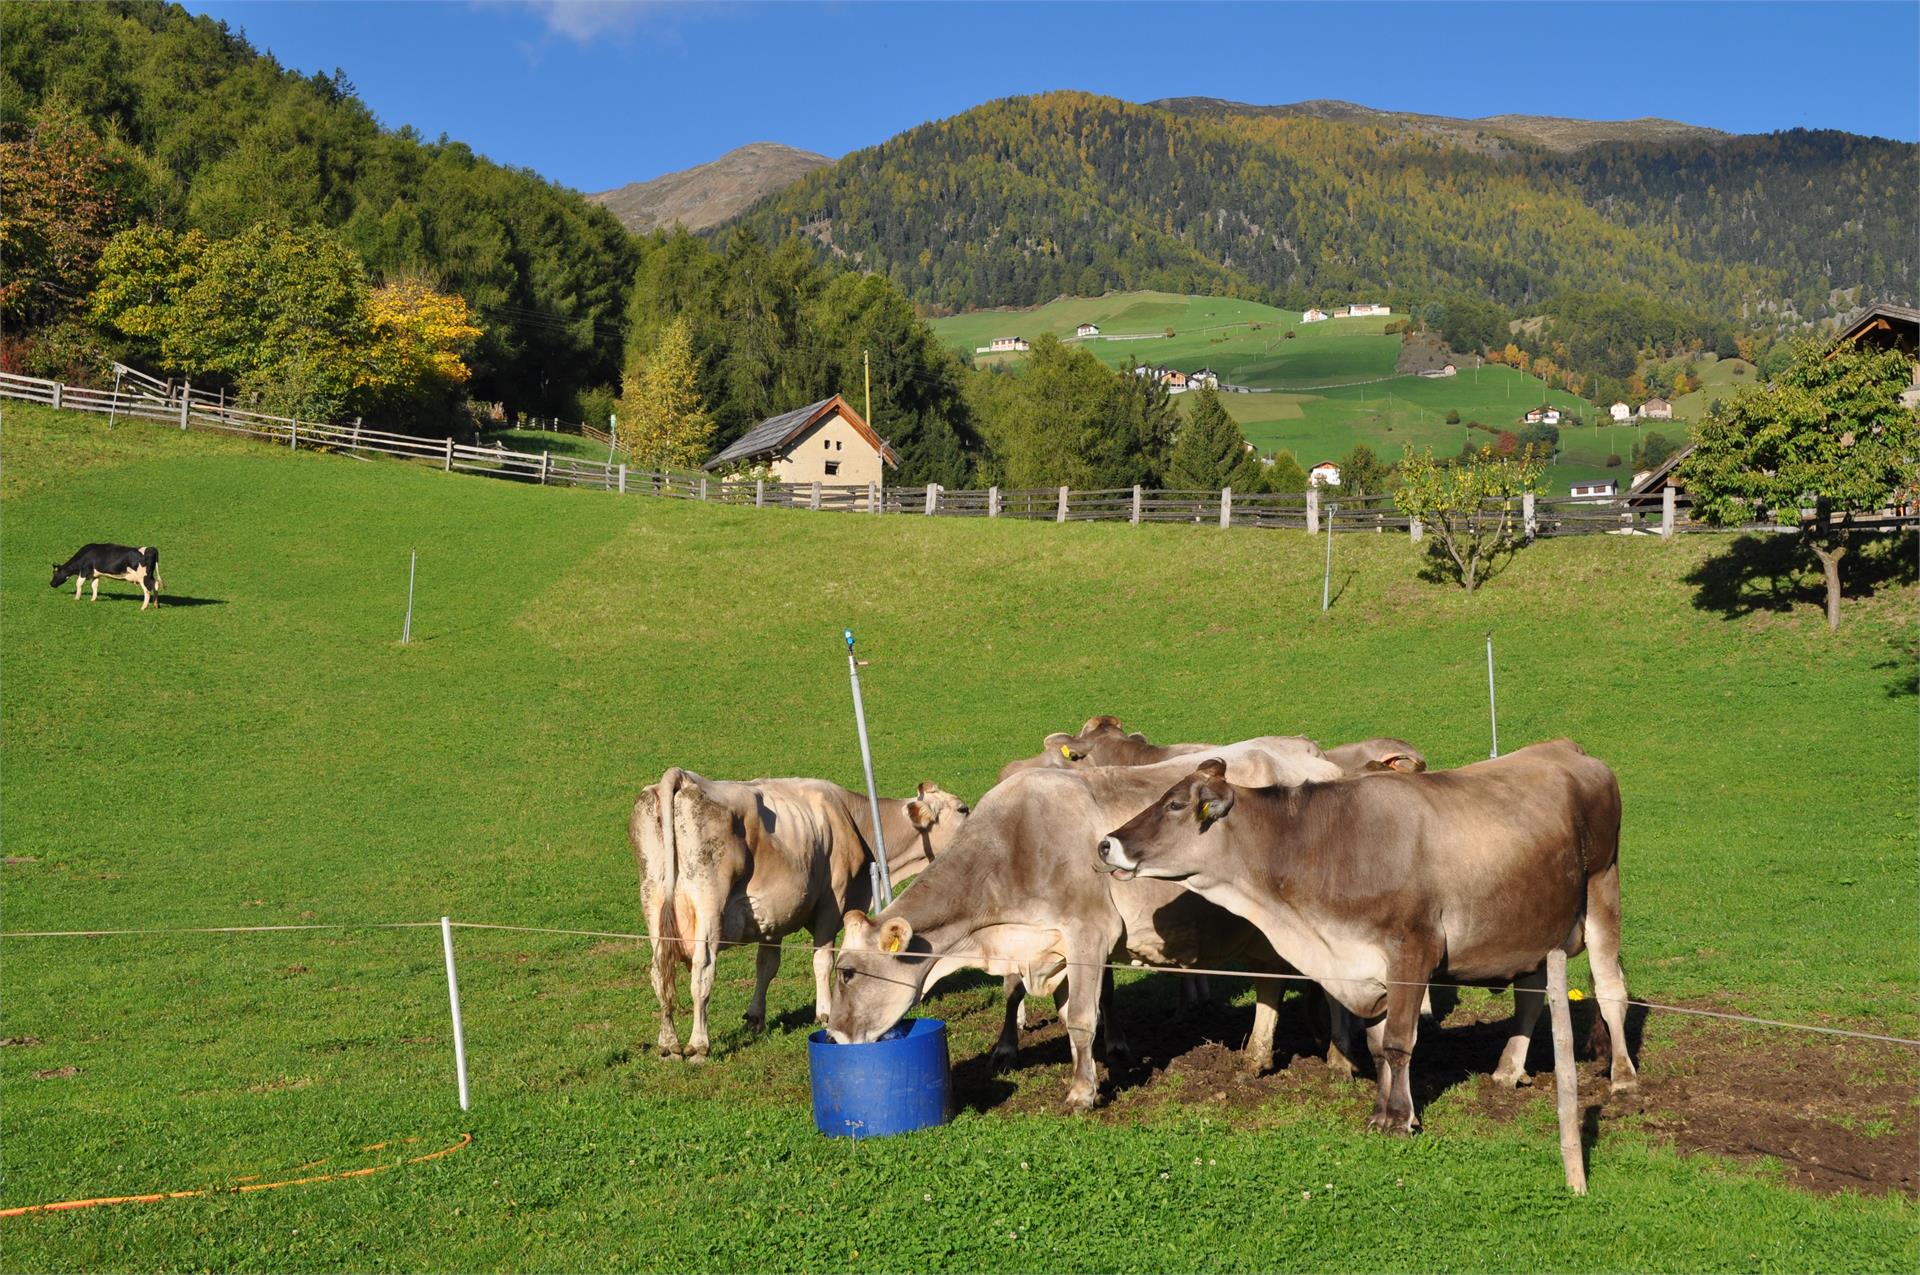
[[263, 751], [1332, 385]]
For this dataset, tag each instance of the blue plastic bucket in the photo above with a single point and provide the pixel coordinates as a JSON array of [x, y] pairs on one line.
[[890, 1086]]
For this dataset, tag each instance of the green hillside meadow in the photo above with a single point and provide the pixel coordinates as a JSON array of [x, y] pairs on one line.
[[1332, 385], [263, 751]]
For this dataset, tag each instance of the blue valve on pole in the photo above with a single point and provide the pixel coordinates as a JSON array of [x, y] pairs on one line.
[[848, 635]]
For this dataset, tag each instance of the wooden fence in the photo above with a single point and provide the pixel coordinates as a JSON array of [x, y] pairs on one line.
[[142, 397]]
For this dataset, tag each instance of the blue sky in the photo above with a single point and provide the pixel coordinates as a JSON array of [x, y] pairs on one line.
[[597, 94]]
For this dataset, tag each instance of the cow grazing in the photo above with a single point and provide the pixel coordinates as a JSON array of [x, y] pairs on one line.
[[1372, 887], [1103, 741], [112, 562], [724, 862], [1372, 755], [1013, 895]]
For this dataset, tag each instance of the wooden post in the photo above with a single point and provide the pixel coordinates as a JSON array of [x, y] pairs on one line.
[[1226, 507], [57, 388], [623, 478], [703, 486], [293, 434], [813, 499], [1667, 510], [873, 498], [1566, 1077], [448, 466], [1313, 509], [546, 461], [933, 497], [1526, 514], [1060, 514], [1414, 530], [759, 492], [356, 425], [186, 401], [993, 502], [1135, 519]]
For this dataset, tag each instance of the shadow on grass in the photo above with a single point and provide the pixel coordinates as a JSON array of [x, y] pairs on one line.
[[168, 601], [1777, 573], [1440, 568]]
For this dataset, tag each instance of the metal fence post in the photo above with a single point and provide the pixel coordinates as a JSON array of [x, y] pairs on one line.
[[1313, 509], [453, 997], [1668, 507], [1135, 519], [993, 502], [1060, 514], [759, 492], [1226, 507], [1526, 514]]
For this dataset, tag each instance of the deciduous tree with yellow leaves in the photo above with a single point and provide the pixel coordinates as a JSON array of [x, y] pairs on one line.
[[663, 422]]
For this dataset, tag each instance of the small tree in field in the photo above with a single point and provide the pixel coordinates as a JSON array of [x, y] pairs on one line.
[[1468, 505], [1211, 452], [1829, 439], [663, 422]]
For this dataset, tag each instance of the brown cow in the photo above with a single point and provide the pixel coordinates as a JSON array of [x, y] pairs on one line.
[[1374, 886], [1013, 895], [1370, 755], [753, 862], [1103, 741]]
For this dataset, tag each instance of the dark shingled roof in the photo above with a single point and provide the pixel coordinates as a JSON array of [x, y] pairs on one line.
[[776, 432]]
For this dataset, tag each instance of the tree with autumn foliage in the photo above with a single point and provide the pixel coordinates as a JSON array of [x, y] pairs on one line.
[[56, 211], [420, 342], [1828, 440], [1468, 505], [663, 422]]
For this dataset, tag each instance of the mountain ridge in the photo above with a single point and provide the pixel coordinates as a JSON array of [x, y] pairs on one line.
[[708, 194]]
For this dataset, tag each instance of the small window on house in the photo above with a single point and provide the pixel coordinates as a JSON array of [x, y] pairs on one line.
[[837, 444], [827, 443], [833, 468]]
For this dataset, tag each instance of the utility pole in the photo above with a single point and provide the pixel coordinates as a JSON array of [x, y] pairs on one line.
[[866, 369]]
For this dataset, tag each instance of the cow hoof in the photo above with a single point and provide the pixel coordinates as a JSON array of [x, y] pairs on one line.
[[696, 1059], [1512, 1080], [1394, 1126], [1002, 1058], [668, 1049], [1079, 1103], [755, 1025], [1119, 1055], [1625, 1085]]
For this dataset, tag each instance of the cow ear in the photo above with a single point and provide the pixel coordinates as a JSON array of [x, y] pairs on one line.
[[1102, 722], [1215, 769], [895, 934], [927, 786], [1211, 803], [920, 814], [1062, 743], [1407, 763], [858, 929]]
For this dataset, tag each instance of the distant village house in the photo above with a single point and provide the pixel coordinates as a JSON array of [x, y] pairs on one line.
[[1004, 345], [1315, 315], [825, 442], [1545, 414], [1596, 491], [1325, 474], [1657, 409], [1087, 329], [1620, 412]]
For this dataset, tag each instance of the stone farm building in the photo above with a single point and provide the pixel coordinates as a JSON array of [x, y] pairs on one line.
[[824, 442], [1657, 409]]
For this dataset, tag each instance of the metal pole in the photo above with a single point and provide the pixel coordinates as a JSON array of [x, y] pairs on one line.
[[114, 408], [1326, 581], [453, 996], [1493, 713], [882, 881], [613, 434], [406, 630]]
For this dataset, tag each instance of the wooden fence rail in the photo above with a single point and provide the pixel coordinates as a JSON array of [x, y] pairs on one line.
[[143, 397]]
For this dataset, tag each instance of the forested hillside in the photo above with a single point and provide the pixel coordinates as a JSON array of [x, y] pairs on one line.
[[195, 130], [1024, 199]]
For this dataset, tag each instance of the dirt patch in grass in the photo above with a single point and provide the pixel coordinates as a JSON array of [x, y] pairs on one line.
[[1833, 1114]]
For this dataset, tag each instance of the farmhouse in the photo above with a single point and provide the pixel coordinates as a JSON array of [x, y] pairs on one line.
[[1087, 329], [1620, 412], [1003, 345], [1314, 315], [824, 442], [1606, 490], [1325, 474], [1545, 414], [1657, 409], [1366, 309], [1890, 327], [1206, 377]]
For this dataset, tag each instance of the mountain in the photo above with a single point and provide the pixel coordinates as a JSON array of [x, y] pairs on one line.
[[1490, 132], [708, 194], [1025, 199]]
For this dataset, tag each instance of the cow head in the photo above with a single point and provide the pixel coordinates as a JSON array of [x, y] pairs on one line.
[[877, 977], [937, 816], [61, 575], [1063, 751], [1166, 839]]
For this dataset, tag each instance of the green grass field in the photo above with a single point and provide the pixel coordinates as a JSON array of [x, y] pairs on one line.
[[1333, 383], [262, 750]]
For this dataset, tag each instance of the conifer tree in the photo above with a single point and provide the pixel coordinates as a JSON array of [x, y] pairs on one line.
[[1210, 452]]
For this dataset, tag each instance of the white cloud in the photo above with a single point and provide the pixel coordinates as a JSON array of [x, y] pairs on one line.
[[586, 21]]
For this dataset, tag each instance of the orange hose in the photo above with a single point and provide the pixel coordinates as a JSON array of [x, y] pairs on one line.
[[241, 1188]]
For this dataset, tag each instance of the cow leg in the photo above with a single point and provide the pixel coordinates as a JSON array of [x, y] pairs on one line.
[[146, 595], [79, 587], [1112, 1041], [1266, 1016], [662, 973], [766, 963], [1609, 980], [1391, 1040], [1007, 1048], [96, 590], [1427, 1018], [823, 934], [1195, 991], [1340, 1037], [703, 958], [1079, 1001], [1529, 994]]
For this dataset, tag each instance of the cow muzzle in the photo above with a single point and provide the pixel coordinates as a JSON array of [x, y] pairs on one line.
[[1113, 859]]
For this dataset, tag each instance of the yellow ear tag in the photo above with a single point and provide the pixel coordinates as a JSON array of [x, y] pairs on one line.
[[1066, 752], [1206, 812], [893, 945], [1575, 994]]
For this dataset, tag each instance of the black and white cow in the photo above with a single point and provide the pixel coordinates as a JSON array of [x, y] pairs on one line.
[[113, 562]]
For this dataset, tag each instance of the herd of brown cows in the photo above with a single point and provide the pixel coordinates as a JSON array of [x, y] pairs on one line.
[[1354, 866]]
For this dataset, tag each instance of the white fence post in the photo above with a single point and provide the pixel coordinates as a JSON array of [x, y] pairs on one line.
[[546, 459], [1226, 507], [186, 401], [933, 497], [623, 479], [1414, 530], [1668, 508], [57, 388], [1526, 514], [293, 434], [356, 425], [1060, 514], [993, 502], [1313, 509], [447, 465], [759, 492], [1135, 519], [453, 998]]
